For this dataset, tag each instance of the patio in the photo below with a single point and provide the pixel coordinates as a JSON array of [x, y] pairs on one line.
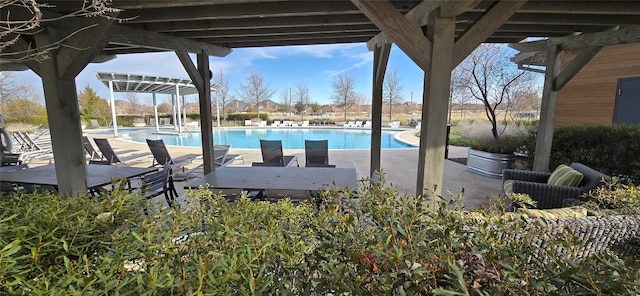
[[398, 166]]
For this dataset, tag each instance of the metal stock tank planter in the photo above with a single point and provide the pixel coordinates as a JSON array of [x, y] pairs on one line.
[[488, 156], [488, 163]]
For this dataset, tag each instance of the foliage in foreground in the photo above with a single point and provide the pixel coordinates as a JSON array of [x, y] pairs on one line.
[[373, 242]]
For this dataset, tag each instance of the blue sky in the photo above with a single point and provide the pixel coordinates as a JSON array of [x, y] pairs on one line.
[[281, 67]]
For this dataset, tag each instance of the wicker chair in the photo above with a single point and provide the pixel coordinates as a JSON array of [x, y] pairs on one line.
[[534, 183]]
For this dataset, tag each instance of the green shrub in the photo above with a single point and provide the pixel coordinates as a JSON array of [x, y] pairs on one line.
[[610, 149], [375, 241], [247, 116], [506, 144], [624, 198]]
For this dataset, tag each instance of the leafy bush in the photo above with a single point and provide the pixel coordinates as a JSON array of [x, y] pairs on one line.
[[507, 144], [624, 198], [610, 149], [247, 116], [375, 241]]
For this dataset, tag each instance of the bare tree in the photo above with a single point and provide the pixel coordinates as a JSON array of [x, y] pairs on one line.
[[134, 103], [221, 79], [392, 89], [361, 101], [343, 91], [164, 108], [285, 100], [255, 90], [525, 104], [13, 29], [489, 77], [301, 96], [11, 89]]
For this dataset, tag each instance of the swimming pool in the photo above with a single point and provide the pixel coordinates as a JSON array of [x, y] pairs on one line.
[[292, 138]]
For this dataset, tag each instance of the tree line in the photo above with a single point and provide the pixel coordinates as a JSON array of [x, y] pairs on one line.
[[486, 77]]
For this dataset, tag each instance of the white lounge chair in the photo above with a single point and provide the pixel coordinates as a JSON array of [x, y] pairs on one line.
[[247, 122], [275, 123], [305, 123]]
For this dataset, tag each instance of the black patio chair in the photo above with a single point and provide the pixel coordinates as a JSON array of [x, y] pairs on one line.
[[272, 155], [316, 153]]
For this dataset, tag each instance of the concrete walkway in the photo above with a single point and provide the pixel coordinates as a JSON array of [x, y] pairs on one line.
[[400, 167]]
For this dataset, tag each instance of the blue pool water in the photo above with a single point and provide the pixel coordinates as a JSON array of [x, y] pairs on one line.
[[292, 138]]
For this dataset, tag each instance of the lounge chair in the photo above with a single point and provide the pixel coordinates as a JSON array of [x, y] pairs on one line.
[[272, 155], [275, 123], [316, 153], [95, 124], [305, 123], [162, 157], [222, 158], [93, 153], [110, 155]]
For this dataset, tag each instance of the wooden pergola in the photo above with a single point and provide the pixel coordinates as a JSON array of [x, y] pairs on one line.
[[436, 34]]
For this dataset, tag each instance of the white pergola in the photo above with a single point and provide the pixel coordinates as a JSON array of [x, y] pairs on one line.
[[178, 88]]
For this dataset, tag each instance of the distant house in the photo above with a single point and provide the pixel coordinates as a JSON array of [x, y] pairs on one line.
[[236, 106], [605, 91]]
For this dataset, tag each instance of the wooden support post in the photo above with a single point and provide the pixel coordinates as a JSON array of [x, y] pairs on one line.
[[200, 77], [206, 124], [435, 105], [63, 115], [380, 60], [544, 137]]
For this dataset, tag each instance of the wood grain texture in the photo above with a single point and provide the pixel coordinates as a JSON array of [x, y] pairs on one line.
[[589, 97]]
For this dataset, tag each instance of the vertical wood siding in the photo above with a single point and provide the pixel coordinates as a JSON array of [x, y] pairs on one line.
[[589, 98]]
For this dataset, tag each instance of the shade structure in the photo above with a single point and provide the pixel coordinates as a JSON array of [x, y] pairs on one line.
[[141, 83]]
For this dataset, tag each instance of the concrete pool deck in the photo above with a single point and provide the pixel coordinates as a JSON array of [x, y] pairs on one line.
[[399, 166]]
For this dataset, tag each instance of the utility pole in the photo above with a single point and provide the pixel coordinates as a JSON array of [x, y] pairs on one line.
[[289, 104], [411, 105]]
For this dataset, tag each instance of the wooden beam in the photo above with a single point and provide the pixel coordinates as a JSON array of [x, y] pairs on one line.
[[454, 8], [280, 31], [206, 124], [621, 36], [191, 69], [574, 66], [63, 115], [544, 137], [405, 34], [380, 62], [264, 10], [435, 105], [484, 27], [258, 23], [23, 50], [83, 45], [124, 35], [418, 16]]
